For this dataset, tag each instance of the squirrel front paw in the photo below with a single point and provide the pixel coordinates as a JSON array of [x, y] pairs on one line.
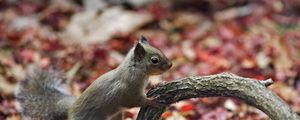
[[154, 85]]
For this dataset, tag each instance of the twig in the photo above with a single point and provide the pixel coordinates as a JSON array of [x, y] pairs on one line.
[[267, 82]]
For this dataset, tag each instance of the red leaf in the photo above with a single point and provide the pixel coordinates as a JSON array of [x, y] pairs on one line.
[[167, 114], [27, 55], [187, 107]]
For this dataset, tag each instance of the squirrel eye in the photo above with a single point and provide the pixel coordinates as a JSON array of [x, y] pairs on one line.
[[154, 60]]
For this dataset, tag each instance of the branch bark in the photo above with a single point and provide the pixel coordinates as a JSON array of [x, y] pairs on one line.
[[249, 90]]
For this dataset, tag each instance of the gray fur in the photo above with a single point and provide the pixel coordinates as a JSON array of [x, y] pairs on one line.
[[39, 94], [120, 88], [42, 97]]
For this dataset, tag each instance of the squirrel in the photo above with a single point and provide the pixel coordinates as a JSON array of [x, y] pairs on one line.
[[43, 97]]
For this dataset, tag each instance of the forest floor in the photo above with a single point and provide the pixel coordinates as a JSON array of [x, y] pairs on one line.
[[257, 39]]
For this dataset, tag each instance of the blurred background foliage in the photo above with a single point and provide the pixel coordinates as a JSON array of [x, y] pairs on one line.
[[86, 38]]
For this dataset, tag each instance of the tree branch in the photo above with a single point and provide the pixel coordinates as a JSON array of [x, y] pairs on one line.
[[249, 90]]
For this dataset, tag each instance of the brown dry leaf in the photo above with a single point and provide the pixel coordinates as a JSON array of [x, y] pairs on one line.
[[6, 88], [88, 27], [284, 91]]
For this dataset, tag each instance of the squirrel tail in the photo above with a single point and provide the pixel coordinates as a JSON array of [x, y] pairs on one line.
[[43, 96]]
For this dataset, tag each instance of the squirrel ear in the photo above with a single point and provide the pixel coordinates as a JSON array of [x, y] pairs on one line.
[[143, 40], [139, 52]]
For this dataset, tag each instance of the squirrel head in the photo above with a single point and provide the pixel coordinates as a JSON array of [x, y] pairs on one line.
[[149, 58]]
